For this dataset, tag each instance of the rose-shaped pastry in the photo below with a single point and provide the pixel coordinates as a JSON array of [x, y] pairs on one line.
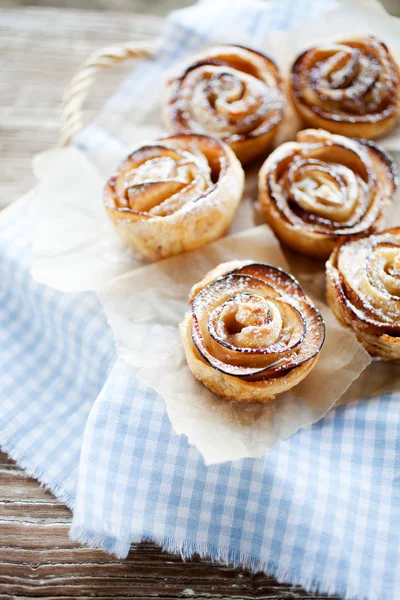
[[252, 333], [351, 88], [323, 187], [363, 290], [175, 194], [230, 92]]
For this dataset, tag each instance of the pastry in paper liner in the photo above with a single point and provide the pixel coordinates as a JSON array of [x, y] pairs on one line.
[[323, 187], [351, 87], [363, 290], [174, 195], [252, 333], [230, 92]]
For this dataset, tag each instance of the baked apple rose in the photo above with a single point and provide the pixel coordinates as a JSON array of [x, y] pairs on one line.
[[351, 87], [363, 290], [322, 187], [230, 92], [174, 195], [251, 333]]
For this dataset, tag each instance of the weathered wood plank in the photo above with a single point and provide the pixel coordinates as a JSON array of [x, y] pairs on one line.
[[160, 586], [37, 559], [45, 511], [39, 51], [16, 485], [6, 461]]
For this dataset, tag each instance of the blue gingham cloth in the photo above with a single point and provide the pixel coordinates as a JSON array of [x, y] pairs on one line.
[[321, 510]]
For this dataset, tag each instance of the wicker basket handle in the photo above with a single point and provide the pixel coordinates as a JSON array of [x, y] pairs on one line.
[[78, 88]]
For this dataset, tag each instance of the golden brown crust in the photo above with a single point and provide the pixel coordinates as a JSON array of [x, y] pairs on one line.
[[363, 290], [174, 195], [252, 333], [350, 88], [324, 187], [230, 92]]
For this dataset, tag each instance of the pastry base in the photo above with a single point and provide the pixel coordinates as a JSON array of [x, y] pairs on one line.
[[378, 345], [368, 131], [197, 223], [237, 389]]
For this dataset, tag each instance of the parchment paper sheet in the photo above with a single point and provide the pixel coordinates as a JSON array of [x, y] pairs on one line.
[[352, 17], [74, 246], [144, 309]]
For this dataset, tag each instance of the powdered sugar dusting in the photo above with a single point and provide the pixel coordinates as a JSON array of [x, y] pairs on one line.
[[352, 81], [248, 325], [228, 92], [369, 267]]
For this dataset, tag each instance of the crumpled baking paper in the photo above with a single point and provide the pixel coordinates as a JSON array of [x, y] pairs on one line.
[[74, 246], [144, 308]]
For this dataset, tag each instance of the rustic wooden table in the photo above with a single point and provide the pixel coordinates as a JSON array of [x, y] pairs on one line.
[[39, 50]]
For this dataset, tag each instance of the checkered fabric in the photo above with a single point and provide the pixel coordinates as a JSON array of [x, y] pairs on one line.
[[321, 510]]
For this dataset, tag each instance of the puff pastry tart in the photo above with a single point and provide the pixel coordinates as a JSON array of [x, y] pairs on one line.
[[323, 187], [363, 290], [252, 333], [230, 92], [175, 194], [351, 88]]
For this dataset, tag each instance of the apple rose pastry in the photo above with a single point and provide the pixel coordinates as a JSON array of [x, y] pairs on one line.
[[252, 333], [175, 194], [323, 187], [351, 88], [230, 92], [363, 290]]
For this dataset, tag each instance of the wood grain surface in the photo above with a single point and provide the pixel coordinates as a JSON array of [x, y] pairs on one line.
[[39, 50], [38, 560]]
